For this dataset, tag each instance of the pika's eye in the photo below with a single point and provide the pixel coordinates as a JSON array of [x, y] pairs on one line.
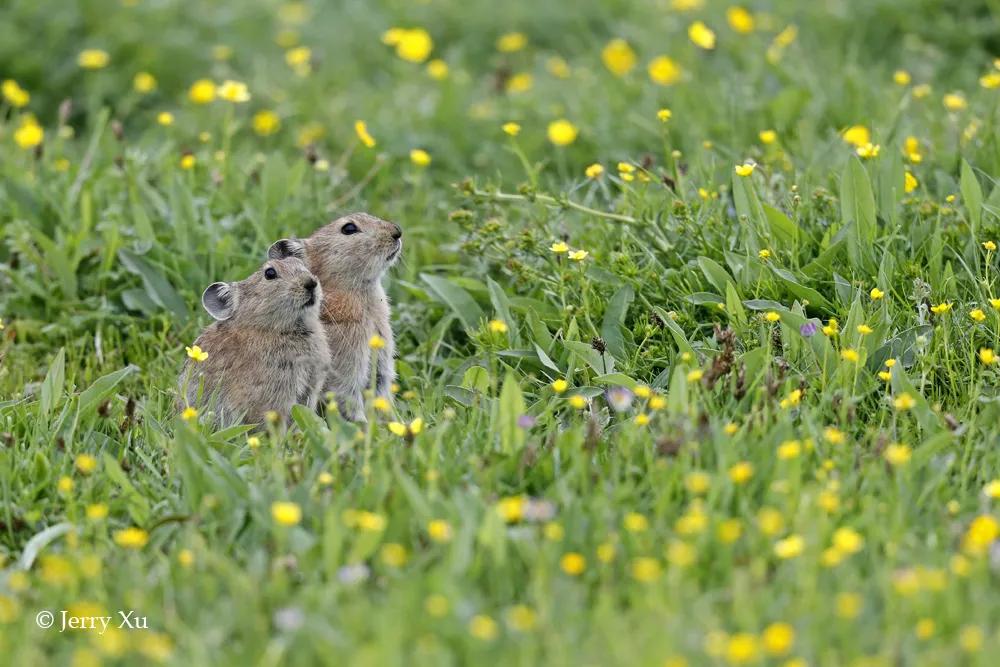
[[270, 273], [349, 228]]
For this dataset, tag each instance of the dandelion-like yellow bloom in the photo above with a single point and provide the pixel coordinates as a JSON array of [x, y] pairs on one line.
[[14, 93], [989, 246], [834, 436], [93, 59], [558, 67], [131, 538], [857, 135], [521, 82], [618, 57], [144, 82], [790, 547], [361, 129], [266, 122], [573, 564], [394, 555], [562, 132], [901, 77], [955, 102], [772, 316], [741, 472], [768, 137], [778, 639], [849, 355], [868, 151], [941, 308], [189, 414], [904, 402], [439, 530], [202, 91], [990, 81], [695, 375], [497, 326], [987, 356], [483, 628], [511, 129], [414, 45], [85, 463], [701, 35], [29, 133], [286, 513], [977, 315], [188, 161], [740, 20], [559, 247], [196, 353], [910, 182], [559, 386], [419, 157], [741, 648], [97, 511], [645, 569], [511, 42], [864, 329], [764, 255], [521, 618], [982, 532], [234, 91], [664, 115], [665, 71], [745, 170], [298, 56], [577, 401], [898, 454], [437, 69], [594, 171], [578, 255]]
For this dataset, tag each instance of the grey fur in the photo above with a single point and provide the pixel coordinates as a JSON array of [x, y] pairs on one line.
[[355, 306], [268, 350]]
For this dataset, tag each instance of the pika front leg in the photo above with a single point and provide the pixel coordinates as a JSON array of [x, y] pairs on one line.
[[385, 373]]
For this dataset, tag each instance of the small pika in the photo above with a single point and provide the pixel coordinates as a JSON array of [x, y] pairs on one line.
[[267, 350], [349, 257]]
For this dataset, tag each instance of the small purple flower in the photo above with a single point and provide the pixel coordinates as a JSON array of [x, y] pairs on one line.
[[808, 329], [619, 398], [526, 421]]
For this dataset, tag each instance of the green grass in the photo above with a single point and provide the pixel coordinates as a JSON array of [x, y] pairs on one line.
[[768, 477]]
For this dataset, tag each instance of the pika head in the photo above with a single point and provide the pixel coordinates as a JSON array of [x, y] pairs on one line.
[[351, 251], [279, 295]]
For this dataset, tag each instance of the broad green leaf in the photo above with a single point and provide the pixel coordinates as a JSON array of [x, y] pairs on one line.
[[102, 388], [680, 339], [783, 230], [972, 195], [858, 211], [715, 274], [511, 407], [157, 287], [614, 320], [52, 386], [468, 311]]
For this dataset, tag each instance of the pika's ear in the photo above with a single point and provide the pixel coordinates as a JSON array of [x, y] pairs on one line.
[[287, 248], [219, 300]]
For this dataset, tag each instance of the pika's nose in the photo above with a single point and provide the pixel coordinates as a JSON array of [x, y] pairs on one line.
[[310, 285], [397, 231]]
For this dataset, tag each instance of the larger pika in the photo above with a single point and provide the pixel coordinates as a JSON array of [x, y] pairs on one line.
[[349, 256], [267, 351]]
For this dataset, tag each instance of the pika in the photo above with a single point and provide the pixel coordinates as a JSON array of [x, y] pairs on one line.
[[349, 257], [267, 350]]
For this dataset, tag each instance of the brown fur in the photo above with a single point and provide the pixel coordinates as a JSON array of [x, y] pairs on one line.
[[268, 350], [350, 268]]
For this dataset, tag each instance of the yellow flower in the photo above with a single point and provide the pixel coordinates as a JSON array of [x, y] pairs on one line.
[[562, 132], [744, 169], [512, 129], [635, 522], [577, 401], [995, 303], [778, 639], [731, 428], [904, 402], [664, 115], [511, 42], [29, 133], [989, 246], [437, 69], [641, 419], [790, 547], [361, 129], [420, 157], [483, 628], [885, 375], [234, 91], [868, 151], [990, 81], [789, 449], [97, 511], [381, 404], [266, 123], [202, 91], [618, 57], [768, 137], [521, 82], [86, 463], [664, 71], [910, 182], [772, 316], [189, 414], [864, 329], [955, 102], [436, 605], [196, 353], [901, 77], [578, 255], [497, 326], [970, 638], [560, 385], [558, 67], [645, 569], [898, 454], [740, 20], [144, 82], [876, 294], [741, 648], [65, 484], [286, 513], [376, 342], [764, 254], [695, 375], [857, 135], [394, 555], [414, 45], [941, 308], [559, 247], [131, 538], [573, 564], [439, 530], [701, 35], [14, 93], [921, 91], [93, 59], [982, 532], [188, 161], [741, 472], [849, 355], [594, 171], [847, 605], [987, 356], [165, 118], [521, 618]]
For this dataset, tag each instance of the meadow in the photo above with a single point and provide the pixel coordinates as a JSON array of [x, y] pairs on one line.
[[697, 326]]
